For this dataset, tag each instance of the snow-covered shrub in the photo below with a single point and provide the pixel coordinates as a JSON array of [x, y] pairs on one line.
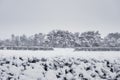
[[58, 68]]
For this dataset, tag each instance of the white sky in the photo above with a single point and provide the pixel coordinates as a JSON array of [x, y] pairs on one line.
[[34, 16]]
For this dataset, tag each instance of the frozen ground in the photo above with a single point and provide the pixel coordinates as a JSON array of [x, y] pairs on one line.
[[62, 52], [60, 64]]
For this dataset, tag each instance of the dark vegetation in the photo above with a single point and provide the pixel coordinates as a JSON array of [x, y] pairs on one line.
[[97, 49]]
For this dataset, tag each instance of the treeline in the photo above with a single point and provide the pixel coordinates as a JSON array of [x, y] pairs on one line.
[[64, 39]]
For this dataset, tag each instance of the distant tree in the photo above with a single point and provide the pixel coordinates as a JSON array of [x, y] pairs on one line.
[[64, 39], [36, 40], [1, 43], [42, 39], [112, 40], [60, 38], [15, 40], [7, 42], [118, 42], [91, 39], [77, 42], [24, 41], [39, 39]]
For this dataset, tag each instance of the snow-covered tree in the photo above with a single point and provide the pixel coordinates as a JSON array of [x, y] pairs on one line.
[[60, 38], [112, 40], [91, 38]]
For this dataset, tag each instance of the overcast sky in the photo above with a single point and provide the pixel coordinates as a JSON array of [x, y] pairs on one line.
[[34, 16]]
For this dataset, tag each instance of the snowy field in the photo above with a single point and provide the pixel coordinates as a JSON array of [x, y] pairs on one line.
[[62, 52], [60, 64]]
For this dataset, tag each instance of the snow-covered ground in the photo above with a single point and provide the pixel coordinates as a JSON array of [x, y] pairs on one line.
[[60, 64], [62, 52]]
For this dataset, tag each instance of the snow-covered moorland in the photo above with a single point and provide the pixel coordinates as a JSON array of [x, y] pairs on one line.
[[60, 64]]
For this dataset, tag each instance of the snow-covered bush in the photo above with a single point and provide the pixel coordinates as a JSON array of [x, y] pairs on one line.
[[58, 68]]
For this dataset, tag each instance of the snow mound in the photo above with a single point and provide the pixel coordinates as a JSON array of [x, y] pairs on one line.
[[59, 65]]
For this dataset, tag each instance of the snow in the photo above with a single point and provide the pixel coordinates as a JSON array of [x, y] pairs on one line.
[[62, 52], [60, 64]]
